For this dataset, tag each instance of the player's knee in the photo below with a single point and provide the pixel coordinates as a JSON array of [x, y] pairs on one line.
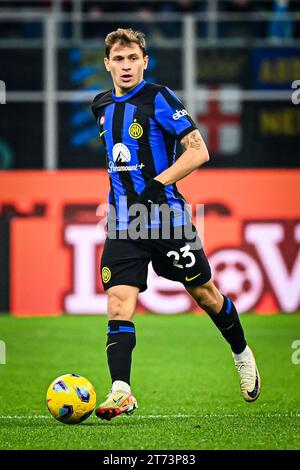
[[118, 308], [115, 305]]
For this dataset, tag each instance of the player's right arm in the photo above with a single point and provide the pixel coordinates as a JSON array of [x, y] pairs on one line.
[[174, 119], [195, 155]]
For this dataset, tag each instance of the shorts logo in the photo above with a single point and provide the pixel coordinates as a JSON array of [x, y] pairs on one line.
[[121, 153], [135, 130], [180, 114], [188, 279], [102, 120], [106, 274]]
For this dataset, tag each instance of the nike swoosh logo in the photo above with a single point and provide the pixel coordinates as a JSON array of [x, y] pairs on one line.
[[228, 328], [110, 344], [118, 400], [192, 278], [101, 133], [151, 202], [254, 393]]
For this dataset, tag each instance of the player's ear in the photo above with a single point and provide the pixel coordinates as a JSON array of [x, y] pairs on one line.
[[146, 60], [106, 63]]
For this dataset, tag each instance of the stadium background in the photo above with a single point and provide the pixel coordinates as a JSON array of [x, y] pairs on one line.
[[234, 64]]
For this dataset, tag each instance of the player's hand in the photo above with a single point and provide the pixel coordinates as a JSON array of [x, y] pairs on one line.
[[151, 193]]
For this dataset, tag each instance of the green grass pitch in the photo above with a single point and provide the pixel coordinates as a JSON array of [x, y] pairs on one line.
[[183, 377]]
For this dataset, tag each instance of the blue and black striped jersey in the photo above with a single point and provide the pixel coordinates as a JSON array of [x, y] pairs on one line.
[[141, 131]]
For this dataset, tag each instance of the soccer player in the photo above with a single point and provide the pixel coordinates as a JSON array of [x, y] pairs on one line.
[[140, 125]]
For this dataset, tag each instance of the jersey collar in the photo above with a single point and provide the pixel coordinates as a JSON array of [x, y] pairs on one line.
[[130, 94]]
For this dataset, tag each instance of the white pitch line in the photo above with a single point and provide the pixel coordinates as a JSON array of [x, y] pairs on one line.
[[203, 416]]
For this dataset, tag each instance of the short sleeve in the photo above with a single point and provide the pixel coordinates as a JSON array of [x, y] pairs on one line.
[[100, 101], [94, 104], [171, 114]]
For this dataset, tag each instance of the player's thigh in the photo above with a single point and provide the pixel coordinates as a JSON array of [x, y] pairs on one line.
[[124, 263], [181, 259]]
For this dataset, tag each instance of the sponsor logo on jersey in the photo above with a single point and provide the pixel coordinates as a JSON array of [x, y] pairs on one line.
[[116, 168], [121, 153], [135, 130], [179, 114]]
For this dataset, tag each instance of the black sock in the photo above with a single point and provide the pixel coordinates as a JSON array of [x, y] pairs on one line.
[[228, 322], [119, 346]]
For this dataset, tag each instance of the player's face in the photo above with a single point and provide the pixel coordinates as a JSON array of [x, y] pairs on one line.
[[126, 65]]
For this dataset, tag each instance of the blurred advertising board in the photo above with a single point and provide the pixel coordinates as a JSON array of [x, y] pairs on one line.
[[274, 68], [55, 239]]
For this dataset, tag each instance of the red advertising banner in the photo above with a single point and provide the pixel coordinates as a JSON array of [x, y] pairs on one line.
[[251, 235]]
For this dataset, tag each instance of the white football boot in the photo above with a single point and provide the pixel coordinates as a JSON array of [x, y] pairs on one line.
[[249, 376]]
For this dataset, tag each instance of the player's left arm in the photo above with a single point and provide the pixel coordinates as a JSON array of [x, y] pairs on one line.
[[195, 155]]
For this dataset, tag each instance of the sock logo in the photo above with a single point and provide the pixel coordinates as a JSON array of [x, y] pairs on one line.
[[110, 344]]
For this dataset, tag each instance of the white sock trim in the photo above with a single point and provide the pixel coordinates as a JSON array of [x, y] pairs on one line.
[[120, 386], [243, 354]]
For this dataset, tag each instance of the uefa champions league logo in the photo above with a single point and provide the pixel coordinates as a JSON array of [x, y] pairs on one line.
[[2, 92]]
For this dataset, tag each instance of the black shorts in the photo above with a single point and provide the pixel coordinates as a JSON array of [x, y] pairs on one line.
[[125, 261]]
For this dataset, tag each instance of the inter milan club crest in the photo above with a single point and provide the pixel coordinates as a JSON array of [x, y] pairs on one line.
[[135, 130], [106, 274]]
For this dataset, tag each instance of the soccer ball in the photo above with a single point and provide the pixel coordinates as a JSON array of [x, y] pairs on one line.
[[71, 398]]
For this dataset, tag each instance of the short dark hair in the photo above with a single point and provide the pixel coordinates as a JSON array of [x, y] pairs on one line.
[[125, 36]]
